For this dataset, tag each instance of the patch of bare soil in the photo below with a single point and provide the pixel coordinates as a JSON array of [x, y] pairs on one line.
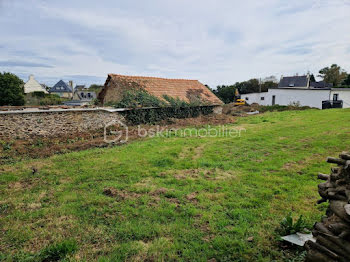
[[192, 197], [201, 120], [241, 110], [211, 174], [43, 147], [26, 183], [120, 194]]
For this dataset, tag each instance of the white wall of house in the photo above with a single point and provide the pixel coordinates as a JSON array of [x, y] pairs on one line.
[[33, 86], [259, 98], [305, 97], [343, 94]]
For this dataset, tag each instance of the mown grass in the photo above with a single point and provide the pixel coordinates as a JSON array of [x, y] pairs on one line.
[[177, 199]]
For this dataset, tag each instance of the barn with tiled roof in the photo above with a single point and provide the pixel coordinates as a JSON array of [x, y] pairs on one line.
[[183, 89]]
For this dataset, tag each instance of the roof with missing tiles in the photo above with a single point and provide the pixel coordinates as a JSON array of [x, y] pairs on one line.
[[183, 89]]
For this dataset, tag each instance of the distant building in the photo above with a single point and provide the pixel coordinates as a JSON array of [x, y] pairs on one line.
[[80, 87], [84, 95], [81, 98], [186, 90], [300, 90], [62, 89], [294, 82], [33, 86], [301, 82]]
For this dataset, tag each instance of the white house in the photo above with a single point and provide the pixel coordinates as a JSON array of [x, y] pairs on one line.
[[299, 89], [33, 86]]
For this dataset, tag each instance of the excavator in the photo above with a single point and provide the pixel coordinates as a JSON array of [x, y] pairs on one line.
[[238, 101]]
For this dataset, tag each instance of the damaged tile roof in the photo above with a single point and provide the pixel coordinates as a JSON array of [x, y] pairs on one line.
[[181, 88]]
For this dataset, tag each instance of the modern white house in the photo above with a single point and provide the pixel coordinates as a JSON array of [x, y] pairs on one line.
[[300, 90], [33, 86]]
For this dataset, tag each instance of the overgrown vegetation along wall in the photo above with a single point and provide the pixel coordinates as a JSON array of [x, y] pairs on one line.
[[24, 125], [152, 115], [40, 98], [54, 123]]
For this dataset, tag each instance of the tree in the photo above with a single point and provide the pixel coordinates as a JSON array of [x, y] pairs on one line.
[[11, 90], [268, 84], [346, 81], [334, 74], [225, 93], [312, 78]]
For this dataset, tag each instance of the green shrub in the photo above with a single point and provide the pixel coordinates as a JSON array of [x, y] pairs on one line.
[[138, 98], [38, 94], [51, 100], [6, 146], [153, 115], [40, 98], [11, 90], [175, 102], [288, 226]]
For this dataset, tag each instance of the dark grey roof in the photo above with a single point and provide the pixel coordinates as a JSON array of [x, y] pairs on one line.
[[321, 84], [79, 87], [294, 81], [60, 87]]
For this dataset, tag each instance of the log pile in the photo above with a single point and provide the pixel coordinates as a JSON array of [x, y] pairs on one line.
[[333, 233]]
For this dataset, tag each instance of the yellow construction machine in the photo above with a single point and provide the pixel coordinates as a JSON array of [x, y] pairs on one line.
[[239, 101]]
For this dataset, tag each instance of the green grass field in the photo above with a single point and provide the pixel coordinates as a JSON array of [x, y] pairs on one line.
[[175, 198]]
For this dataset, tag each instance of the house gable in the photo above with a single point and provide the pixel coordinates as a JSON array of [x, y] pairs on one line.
[[60, 87], [33, 86]]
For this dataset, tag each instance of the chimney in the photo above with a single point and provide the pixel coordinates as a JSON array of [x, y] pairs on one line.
[[70, 83], [31, 77]]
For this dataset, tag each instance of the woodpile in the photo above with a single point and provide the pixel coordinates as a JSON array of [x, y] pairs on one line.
[[333, 233]]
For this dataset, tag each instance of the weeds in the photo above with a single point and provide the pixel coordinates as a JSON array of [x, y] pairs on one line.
[[290, 226], [54, 252], [6, 145], [58, 251]]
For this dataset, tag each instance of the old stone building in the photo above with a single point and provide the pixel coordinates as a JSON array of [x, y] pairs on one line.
[[186, 90]]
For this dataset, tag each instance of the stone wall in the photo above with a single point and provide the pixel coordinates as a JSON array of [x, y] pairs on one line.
[[32, 123], [24, 125]]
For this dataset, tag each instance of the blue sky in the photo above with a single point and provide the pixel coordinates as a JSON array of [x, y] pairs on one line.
[[216, 42]]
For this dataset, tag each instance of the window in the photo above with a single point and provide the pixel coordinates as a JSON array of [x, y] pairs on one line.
[[89, 95], [335, 97], [247, 98], [262, 98]]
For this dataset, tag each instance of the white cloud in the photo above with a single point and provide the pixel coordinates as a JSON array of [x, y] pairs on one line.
[[216, 42]]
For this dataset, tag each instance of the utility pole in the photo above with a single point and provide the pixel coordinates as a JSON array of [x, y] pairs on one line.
[[259, 85]]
